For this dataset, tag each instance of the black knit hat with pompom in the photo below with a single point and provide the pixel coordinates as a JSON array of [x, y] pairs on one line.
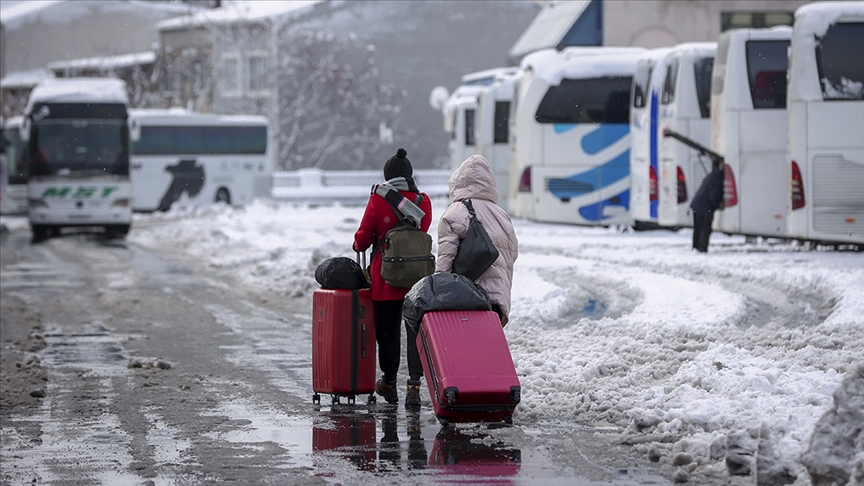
[[398, 166]]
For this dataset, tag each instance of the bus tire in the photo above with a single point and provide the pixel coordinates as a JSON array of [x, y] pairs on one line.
[[118, 231], [40, 232], [223, 196]]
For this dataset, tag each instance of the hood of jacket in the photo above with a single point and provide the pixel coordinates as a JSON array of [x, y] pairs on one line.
[[473, 180]]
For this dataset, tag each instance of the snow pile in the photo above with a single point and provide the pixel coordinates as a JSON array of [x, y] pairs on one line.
[[722, 362]]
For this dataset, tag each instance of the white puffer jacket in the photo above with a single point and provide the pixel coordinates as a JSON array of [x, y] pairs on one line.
[[474, 180]]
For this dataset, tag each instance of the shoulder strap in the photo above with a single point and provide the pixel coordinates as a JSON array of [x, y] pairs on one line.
[[468, 204]]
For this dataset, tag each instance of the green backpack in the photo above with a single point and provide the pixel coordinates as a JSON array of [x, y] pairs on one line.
[[406, 252]]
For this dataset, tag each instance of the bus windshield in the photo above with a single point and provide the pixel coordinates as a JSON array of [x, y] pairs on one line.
[[80, 146], [641, 84], [594, 100]]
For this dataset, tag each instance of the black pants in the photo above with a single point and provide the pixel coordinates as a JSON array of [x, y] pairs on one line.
[[388, 334], [701, 231]]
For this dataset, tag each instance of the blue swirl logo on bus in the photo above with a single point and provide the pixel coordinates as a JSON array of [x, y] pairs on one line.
[[597, 178]]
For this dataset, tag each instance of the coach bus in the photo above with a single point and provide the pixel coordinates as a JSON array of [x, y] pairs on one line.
[[182, 158], [76, 156], [685, 107], [644, 105], [572, 136], [748, 128], [826, 123], [492, 129]]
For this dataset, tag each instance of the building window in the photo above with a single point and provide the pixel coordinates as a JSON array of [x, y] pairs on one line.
[[257, 74], [230, 75], [754, 20]]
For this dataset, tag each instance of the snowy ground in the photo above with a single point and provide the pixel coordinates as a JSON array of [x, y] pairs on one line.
[[684, 353]]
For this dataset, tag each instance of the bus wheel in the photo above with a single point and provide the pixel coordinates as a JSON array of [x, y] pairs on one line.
[[222, 196], [117, 231], [40, 232]]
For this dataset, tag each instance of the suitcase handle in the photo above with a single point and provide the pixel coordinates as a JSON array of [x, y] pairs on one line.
[[361, 260]]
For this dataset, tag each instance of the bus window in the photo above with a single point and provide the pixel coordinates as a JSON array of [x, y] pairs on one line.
[[603, 100], [767, 62], [640, 85], [669, 84], [192, 140], [502, 121], [702, 72], [469, 127], [841, 70]]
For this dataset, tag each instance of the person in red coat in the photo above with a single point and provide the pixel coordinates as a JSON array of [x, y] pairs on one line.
[[378, 218]]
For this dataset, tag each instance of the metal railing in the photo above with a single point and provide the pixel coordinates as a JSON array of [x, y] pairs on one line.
[[346, 186]]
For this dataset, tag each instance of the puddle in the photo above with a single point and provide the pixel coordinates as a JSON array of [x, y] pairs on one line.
[[95, 348], [594, 309]]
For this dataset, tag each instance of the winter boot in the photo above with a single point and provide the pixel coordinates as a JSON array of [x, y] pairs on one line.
[[412, 396], [387, 390]]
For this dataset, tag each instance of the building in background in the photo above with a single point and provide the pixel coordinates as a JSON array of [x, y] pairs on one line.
[[645, 23]]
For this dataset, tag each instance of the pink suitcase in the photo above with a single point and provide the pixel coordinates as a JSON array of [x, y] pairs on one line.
[[343, 344], [468, 366]]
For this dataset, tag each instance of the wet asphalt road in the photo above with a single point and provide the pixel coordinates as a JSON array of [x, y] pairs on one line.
[[160, 371]]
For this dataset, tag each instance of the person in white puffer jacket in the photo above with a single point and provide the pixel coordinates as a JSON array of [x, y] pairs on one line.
[[474, 180]]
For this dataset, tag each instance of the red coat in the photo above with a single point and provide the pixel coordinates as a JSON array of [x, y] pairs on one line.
[[377, 220]]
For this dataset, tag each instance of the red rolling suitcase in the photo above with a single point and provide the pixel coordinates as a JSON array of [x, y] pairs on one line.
[[343, 344], [468, 366]]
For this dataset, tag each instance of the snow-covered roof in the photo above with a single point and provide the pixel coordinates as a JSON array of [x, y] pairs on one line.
[[239, 11], [25, 79], [77, 90], [549, 27], [694, 49], [105, 62], [488, 75], [177, 114], [582, 62], [13, 11]]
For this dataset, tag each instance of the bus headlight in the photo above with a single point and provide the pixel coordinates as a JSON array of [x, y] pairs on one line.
[[38, 203], [122, 203]]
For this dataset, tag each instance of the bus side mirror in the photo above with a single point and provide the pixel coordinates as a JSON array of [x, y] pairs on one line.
[[134, 130], [24, 129]]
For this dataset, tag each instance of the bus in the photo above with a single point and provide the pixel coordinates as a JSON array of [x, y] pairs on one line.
[[459, 110], [571, 162], [76, 156], [13, 179], [685, 107], [826, 124], [644, 103], [492, 129], [748, 128], [183, 159]]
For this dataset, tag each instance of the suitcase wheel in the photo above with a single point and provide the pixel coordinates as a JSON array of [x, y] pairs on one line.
[[444, 421], [316, 398], [351, 400], [508, 420], [372, 399], [334, 399]]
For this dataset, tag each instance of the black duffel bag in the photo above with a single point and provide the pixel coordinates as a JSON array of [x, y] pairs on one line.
[[443, 291], [341, 273]]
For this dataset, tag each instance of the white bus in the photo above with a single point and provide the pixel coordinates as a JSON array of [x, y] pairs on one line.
[[826, 123], [13, 178], [571, 162], [685, 107], [748, 128], [77, 156], [644, 129], [187, 159], [492, 129], [459, 110]]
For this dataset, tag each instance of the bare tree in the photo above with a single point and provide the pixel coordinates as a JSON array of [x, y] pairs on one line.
[[332, 107]]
